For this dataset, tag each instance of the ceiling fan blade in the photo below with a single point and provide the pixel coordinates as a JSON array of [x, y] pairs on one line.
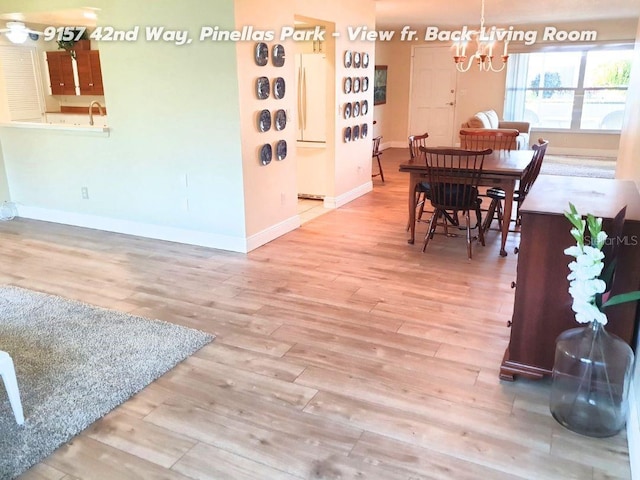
[[15, 25]]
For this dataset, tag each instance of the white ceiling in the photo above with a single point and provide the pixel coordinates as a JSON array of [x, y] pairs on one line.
[[77, 17], [420, 13]]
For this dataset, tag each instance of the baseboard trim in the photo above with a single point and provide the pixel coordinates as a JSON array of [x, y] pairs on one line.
[[633, 432], [158, 232], [273, 232], [394, 144], [340, 200], [583, 152]]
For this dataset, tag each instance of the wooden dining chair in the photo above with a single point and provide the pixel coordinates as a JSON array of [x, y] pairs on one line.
[[422, 189], [529, 177], [454, 175], [375, 153], [415, 142], [483, 138]]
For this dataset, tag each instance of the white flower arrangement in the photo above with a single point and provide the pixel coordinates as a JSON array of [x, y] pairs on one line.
[[586, 285]]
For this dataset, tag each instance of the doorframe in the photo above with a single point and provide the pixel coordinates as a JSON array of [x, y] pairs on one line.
[[455, 100], [331, 112]]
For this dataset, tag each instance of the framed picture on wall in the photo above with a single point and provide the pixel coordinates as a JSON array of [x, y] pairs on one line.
[[380, 85]]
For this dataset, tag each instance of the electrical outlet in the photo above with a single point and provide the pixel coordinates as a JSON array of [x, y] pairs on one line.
[[283, 199], [85, 193]]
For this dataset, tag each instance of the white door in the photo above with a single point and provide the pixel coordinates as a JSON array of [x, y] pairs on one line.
[[433, 94]]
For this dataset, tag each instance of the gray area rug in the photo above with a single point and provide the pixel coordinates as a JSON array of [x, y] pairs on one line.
[[594, 167], [75, 363]]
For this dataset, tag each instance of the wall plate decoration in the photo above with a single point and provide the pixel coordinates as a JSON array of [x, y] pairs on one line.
[[262, 88], [347, 110], [281, 150], [347, 85], [278, 88], [348, 58], [356, 109], [261, 54], [280, 119], [365, 60], [264, 120], [364, 107], [347, 134], [356, 59], [365, 84], [277, 56], [356, 85], [355, 134], [364, 130], [265, 154]]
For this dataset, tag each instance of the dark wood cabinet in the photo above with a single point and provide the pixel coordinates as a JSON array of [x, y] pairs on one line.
[[542, 308], [63, 70], [89, 72], [61, 75]]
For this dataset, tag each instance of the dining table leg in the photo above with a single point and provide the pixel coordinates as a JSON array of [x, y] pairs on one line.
[[509, 188], [413, 181]]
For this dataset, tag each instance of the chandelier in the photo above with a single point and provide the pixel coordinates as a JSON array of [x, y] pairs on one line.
[[483, 56]]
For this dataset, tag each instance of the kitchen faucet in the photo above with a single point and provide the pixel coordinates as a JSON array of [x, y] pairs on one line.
[[95, 102]]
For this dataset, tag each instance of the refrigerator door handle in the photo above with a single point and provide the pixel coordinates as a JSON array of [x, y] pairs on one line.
[[300, 98], [304, 98]]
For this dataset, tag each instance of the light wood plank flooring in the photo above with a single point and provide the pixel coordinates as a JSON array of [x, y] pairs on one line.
[[342, 352]]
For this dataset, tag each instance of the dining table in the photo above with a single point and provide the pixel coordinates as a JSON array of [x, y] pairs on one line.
[[501, 168]]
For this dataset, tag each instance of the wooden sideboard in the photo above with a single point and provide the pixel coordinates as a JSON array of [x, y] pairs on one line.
[[542, 308]]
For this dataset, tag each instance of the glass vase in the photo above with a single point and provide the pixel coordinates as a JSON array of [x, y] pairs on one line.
[[591, 376]]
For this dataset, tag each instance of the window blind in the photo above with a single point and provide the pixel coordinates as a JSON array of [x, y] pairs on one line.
[[18, 64]]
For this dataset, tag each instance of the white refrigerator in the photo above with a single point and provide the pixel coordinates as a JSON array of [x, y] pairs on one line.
[[311, 163], [311, 79]]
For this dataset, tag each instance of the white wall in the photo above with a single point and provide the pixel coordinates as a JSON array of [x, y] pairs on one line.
[[172, 164], [4, 186], [270, 191]]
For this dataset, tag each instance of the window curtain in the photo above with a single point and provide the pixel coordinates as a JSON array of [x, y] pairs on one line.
[[517, 70]]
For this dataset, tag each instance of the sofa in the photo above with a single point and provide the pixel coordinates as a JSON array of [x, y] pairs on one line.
[[489, 119]]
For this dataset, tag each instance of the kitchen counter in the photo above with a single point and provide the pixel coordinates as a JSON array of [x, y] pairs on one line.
[[97, 130]]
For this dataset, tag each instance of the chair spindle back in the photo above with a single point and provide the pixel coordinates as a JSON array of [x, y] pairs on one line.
[[483, 138], [415, 142]]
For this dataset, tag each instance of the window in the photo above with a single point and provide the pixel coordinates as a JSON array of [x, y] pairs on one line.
[[571, 90]]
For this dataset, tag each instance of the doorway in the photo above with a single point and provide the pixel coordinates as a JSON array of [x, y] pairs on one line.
[[314, 79], [433, 94]]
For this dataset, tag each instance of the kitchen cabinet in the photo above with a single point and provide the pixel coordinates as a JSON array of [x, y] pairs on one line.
[[310, 46], [542, 308], [61, 73], [89, 72], [82, 76]]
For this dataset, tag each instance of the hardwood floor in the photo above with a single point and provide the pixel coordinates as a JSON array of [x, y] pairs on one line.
[[341, 352]]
